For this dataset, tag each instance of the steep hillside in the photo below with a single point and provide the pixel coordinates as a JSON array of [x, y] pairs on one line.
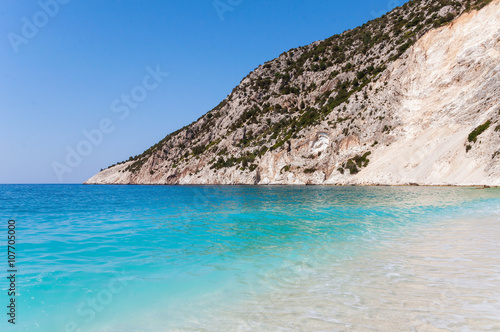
[[411, 97]]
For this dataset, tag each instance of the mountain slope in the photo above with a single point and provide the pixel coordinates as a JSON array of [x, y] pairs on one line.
[[411, 97]]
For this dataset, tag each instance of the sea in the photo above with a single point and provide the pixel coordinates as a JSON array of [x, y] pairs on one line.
[[245, 258]]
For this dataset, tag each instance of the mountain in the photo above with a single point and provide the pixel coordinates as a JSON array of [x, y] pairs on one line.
[[411, 97]]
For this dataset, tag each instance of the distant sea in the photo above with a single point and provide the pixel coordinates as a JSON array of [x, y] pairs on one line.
[[161, 258]]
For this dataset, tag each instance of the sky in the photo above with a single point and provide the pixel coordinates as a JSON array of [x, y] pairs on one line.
[[86, 84]]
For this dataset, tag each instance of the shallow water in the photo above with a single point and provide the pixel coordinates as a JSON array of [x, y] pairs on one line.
[[139, 258]]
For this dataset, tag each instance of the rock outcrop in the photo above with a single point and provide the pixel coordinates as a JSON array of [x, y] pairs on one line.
[[410, 98]]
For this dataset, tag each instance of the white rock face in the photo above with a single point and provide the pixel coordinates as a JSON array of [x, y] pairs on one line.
[[432, 98], [321, 143], [449, 83]]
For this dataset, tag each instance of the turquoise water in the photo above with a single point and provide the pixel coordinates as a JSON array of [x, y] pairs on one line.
[[147, 258]]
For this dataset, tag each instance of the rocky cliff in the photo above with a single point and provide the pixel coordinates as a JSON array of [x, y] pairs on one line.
[[409, 98]]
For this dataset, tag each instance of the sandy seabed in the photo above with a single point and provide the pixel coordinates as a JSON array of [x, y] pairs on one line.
[[445, 277]]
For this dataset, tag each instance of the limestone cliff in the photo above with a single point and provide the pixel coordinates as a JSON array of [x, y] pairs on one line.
[[409, 98]]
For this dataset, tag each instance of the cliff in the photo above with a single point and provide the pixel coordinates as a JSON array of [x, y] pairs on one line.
[[409, 98]]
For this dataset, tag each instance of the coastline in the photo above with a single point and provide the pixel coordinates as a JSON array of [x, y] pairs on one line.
[[478, 186]]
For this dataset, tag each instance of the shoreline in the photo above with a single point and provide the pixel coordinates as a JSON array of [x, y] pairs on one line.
[[479, 186]]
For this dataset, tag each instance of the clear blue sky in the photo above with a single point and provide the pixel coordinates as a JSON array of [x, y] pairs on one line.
[[63, 79]]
